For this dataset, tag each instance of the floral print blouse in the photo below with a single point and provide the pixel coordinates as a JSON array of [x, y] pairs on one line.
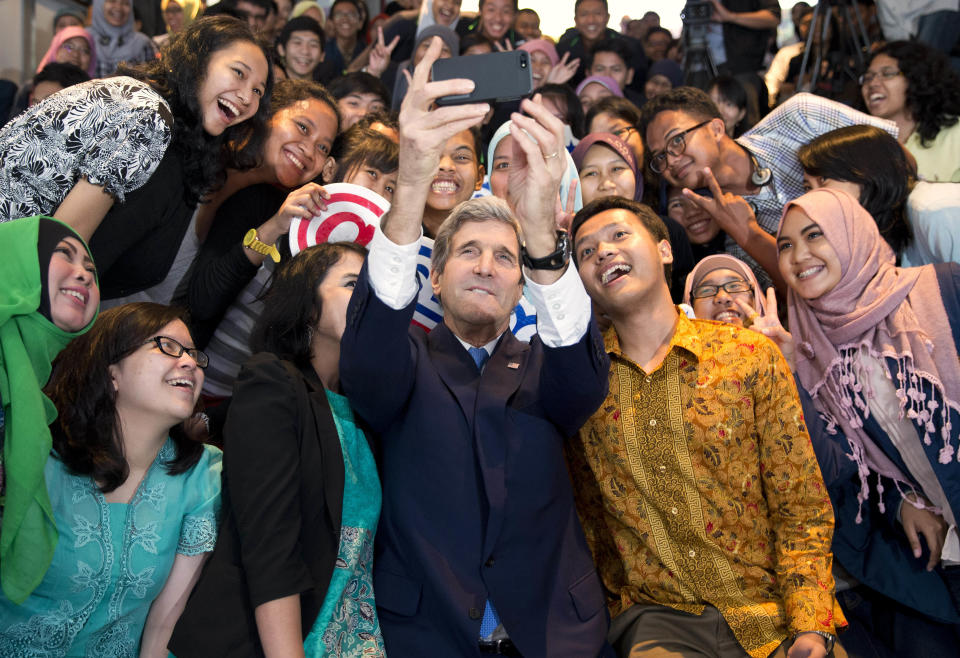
[[112, 559]]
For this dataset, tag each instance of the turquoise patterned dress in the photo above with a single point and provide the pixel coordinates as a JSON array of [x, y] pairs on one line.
[[347, 624], [112, 559]]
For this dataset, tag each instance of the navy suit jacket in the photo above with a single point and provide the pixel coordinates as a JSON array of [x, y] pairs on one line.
[[477, 502]]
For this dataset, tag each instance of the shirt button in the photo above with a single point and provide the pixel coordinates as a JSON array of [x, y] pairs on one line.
[[648, 379], [692, 553], [673, 510], [491, 562], [653, 422], [394, 269], [475, 613], [560, 316], [663, 468], [396, 259]]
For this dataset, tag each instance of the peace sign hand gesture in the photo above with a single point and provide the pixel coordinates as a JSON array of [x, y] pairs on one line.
[[769, 325], [380, 55]]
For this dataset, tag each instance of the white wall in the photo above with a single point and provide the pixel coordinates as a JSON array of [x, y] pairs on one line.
[[17, 31]]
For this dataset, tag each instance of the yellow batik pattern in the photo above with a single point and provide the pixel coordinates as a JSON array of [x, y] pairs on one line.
[[697, 484]]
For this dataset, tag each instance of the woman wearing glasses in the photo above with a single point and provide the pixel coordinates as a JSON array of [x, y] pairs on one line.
[[291, 574], [134, 500], [723, 288], [915, 86], [72, 45]]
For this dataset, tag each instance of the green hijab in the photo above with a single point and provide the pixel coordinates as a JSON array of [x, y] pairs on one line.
[[28, 344]]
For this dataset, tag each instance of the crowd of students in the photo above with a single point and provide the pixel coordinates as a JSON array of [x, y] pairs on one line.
[[735, 433]]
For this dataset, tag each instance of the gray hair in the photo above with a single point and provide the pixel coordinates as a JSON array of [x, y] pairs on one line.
[[484, 209]]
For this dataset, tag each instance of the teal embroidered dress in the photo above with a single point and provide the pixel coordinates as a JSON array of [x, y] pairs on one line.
[[112, 559], [347, 624]]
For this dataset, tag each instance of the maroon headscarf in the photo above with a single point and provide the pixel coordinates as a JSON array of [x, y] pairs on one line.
[[619, 146]]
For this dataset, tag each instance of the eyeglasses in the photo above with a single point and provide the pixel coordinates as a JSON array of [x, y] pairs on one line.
[[170, 347], [676, 145], [71, 48], [737, 285], [885, 74], [623, 133]]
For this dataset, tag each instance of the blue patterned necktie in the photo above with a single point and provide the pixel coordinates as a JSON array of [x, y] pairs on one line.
[[489, 622], [490, 619], [480, 356]]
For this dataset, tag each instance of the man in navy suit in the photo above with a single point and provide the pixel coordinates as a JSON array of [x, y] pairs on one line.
[[479, 549]]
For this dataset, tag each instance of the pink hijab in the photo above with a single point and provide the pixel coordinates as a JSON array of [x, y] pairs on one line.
[[723, 262], [62, 36], [894, 313]]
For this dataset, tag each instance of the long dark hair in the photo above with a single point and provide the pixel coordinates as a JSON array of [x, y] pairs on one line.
[[563, 95], [291, 307], [177, 77], [87, 432], [933, 87], [871, 158]]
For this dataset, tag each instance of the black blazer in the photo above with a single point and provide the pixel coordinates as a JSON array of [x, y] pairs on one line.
[[283, 480]]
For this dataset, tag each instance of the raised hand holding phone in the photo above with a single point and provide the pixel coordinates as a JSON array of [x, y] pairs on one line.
[[423, 134]]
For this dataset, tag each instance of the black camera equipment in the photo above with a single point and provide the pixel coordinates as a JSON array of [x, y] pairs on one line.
[[838, 59], [698, 65]]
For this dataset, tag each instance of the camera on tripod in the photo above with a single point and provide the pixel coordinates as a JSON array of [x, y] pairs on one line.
[[698, 66]]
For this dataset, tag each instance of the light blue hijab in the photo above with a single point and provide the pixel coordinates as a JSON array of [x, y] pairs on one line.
[[568, 177]]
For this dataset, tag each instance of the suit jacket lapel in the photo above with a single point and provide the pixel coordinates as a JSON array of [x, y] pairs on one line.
[[456, 369], [501, 379]]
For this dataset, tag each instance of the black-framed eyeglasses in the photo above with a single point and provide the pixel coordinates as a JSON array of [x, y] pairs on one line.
[[173, 348], [730, 287], [885, 74], [676, 145], [623, 133]]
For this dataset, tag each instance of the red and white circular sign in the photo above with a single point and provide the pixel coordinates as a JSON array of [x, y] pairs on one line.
[[353, 214]]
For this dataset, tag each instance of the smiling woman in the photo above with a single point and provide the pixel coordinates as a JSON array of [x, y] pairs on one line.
[[119, 391], [915, 86], [302, 126], [129, 157], [49, 296], [117, 39]]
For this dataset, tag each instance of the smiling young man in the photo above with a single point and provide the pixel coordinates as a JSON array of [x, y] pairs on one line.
[[752, 176], [494, 21], [358, 94], [301, 47], [478, 550], [696, 481], [459, 175], [590, 19]]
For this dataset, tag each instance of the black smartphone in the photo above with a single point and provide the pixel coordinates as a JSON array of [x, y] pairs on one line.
[[497, 76]]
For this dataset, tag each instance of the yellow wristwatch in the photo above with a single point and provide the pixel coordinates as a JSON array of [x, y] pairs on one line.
[[250, 241]]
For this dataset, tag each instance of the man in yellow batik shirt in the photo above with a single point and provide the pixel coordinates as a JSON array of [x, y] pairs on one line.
[[696, 481]]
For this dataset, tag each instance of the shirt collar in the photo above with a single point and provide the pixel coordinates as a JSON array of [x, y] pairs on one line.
[[685, 337], [489, 347]]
